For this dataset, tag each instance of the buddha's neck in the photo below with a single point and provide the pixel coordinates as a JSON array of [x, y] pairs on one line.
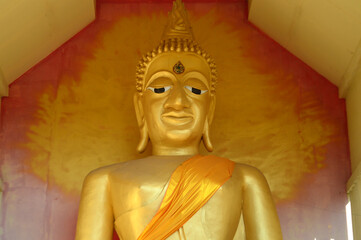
[[172, 151]]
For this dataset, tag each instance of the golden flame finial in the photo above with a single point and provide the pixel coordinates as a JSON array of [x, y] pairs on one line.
[[178, 25]]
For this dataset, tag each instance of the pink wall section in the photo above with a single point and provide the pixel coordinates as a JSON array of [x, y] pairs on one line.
[[73, 112]]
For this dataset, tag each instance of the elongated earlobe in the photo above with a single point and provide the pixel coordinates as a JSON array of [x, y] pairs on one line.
[[206, 139], [144, 137]]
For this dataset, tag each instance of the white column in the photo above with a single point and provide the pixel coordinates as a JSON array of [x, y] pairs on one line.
[[351, 90]]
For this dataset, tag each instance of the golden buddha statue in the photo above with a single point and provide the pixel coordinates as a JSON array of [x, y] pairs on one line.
[[176, 193]]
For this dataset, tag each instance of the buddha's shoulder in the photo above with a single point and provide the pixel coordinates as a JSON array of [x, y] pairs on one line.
[[248, 174], [101, 174], [108, 170], [126, 169]]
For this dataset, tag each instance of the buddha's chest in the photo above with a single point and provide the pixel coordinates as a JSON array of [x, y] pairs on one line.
[[137, 199]]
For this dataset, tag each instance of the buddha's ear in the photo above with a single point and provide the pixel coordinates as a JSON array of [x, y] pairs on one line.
[[206, 138], [139, 112], [212, 107]]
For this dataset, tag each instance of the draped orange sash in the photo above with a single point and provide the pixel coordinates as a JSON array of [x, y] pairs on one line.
[[191, 185]]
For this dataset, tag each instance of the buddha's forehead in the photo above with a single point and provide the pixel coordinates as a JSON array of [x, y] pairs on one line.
[[166, 62]]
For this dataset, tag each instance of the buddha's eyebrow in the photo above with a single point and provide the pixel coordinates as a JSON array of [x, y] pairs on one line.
[[160, 74], [198, 75]]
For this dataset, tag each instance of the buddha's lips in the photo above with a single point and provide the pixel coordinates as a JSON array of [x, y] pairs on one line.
[[177, 118], [177, 115]]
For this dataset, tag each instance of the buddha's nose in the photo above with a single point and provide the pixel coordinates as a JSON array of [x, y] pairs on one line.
[[177, 98]]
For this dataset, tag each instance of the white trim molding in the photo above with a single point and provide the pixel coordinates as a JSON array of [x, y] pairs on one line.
[[353, 70], [354, 194], [354, 179]]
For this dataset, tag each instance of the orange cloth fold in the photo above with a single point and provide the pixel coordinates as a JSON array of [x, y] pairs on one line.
[[191, 185]]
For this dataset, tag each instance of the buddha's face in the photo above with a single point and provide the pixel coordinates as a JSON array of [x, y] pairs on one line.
[[176, 102]]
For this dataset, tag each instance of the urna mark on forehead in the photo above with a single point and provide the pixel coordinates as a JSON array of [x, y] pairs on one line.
[[179, 65]]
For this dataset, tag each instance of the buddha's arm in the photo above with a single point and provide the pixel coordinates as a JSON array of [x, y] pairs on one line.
[[95, 219], [259, 212]]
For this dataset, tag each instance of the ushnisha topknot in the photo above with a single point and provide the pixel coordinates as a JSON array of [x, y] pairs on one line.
[[177, 37]]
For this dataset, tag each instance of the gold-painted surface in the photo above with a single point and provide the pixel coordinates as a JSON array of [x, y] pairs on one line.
[[178, 25], [176, 119]]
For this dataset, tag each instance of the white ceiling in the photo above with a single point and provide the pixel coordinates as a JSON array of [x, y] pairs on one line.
[[31, 30], [325, 34]]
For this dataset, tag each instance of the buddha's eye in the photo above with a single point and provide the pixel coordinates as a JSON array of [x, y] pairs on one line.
[[159, 90], [195, 90]]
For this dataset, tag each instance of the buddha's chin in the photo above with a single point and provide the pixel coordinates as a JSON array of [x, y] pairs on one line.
[[182, 137], [179, 132]]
